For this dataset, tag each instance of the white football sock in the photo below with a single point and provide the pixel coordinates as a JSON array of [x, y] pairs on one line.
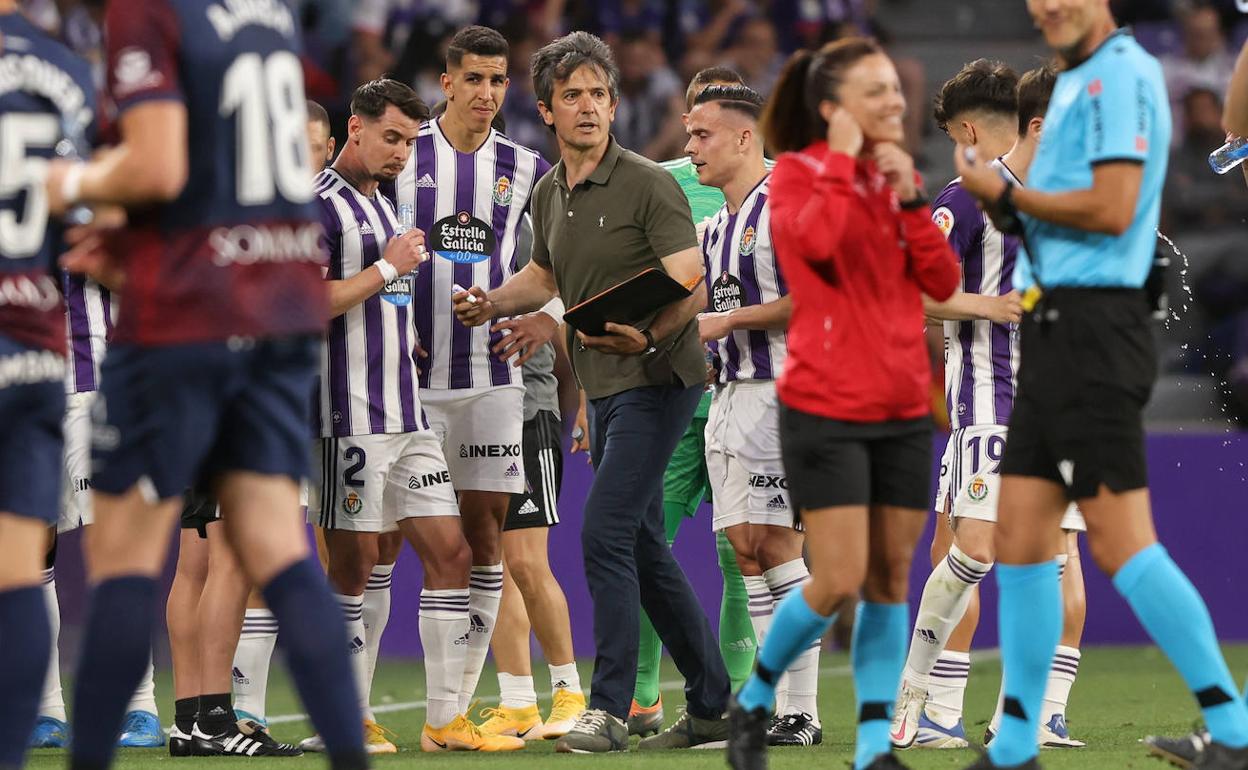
[[801, 681], [565, 677], [946, 687], [995, 723], [53, 702], [444, 635], [1061, 560], [376, 616], [357, 645], [144, 698], [945, 598], [252, 658], [516, 692], [485, 591], [1061, 679]]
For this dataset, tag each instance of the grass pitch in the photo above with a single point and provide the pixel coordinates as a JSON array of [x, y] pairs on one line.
[[1122, 694]]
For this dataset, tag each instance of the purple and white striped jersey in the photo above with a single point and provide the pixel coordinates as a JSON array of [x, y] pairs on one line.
[[981, 357], [741, 269], [470, 207], [368, 366], [88, 322]]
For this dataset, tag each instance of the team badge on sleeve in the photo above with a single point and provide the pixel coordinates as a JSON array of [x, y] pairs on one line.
[[943, 219]]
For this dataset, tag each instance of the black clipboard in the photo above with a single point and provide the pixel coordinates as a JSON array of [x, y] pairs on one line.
[[627, 302]]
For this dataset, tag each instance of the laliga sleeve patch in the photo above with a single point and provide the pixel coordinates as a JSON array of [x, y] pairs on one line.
[[943, 219]]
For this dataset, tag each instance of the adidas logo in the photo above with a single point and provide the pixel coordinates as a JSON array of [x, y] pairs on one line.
[[562, 684], [528, 508], [426, 181], [463, 639], [366, 228], [356, 645], [741, 645], [239, 676], [777, 503], [477, 624], [926, 634], [512, 472]]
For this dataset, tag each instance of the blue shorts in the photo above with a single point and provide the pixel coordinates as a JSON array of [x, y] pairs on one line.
[[32, 406], [180, 415]]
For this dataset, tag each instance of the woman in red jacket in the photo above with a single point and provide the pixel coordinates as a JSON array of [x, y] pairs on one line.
[[854, 236]]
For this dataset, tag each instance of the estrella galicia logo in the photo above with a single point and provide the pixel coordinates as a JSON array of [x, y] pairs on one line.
[[761, 481], [399, 291], [727, 293], [463, 238], [489, 450]]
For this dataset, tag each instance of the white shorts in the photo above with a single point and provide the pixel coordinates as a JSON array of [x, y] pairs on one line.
[[370, 483], [481, 431], [969, 477], [748, 484], [76, 485]]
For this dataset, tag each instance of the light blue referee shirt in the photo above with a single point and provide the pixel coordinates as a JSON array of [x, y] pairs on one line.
[[1112, 107]]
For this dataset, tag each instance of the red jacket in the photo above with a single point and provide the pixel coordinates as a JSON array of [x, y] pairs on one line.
[[855, 263]]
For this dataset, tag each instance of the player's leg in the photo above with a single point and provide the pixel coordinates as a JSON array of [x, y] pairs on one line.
[[517, 713], [352, 555], [182, 620], [221, 608], [51, 728], [1054, 731], [252, 659], [377, 599]]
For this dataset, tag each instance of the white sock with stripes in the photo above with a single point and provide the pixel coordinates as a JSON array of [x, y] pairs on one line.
[[801, 681], [252, 658], [762, 605], [52, 704], [376, 616], [357, 645], [485, 591], [443, 630], [945, 598], [1061, 679], [946, 687]]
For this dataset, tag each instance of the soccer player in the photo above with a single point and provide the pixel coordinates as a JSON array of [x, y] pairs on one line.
[[254, 651], [853, 233], [88, 318], [470, 187], [985, 106], [685, 486], [1090, 211], [381, 464], [50, 90], [214, 352], [750, 312]]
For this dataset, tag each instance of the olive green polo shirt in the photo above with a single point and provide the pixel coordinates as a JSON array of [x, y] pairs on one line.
[[623, 219]]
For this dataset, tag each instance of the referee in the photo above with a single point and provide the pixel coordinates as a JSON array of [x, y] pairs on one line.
[[1088, 216]]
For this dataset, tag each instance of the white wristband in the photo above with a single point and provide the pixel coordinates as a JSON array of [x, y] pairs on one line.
[[71, 185], [388, 271], [554, 309]]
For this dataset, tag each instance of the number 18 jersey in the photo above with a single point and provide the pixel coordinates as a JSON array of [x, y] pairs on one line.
[[237, 253]]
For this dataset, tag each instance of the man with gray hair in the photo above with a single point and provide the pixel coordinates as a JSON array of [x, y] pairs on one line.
[[603, 215]]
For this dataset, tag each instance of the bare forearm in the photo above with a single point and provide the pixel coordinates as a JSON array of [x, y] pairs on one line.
[[525, 292], [962, 306], [673, 318], [149, 165], [769, 316], [1235, 114], [349, 292], [1077, 209]]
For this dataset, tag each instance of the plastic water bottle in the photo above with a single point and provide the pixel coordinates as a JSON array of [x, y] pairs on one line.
[[399, 291], [406, 218], [1229, 155]]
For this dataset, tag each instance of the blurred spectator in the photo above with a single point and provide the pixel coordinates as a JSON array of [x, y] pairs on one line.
[[524, 123], [1204, 62], [618, 20], [649, 92], [755, 54], [1195, 197]]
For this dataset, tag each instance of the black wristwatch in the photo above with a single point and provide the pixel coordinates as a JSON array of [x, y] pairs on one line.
[[1004, 214], [650, 346], [918, 201]]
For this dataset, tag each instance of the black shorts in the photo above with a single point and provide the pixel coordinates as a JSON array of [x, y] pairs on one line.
[[833, 463], [543, 475], [199, 509], [1087, 368]]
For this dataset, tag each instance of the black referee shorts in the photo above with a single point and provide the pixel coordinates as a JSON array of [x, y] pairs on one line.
[[543, 475], [199, 509], [833, 463], [1087, 370]]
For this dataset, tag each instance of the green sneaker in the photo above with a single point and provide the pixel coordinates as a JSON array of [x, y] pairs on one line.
[[595, 732], [690, 732]]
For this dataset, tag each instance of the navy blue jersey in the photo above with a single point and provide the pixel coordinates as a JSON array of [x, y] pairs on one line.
[[237, 253], [46, 96]]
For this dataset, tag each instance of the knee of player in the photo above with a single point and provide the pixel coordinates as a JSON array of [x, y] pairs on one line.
[[1108, 552], [888, 577], [771, 550], [827, 589], [529, 570], [348, 573]]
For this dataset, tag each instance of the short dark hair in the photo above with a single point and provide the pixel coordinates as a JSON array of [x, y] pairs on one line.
[[743, 99], [1034, 89], [707, 76], [981, 86], [791, 119], [558, 59], [317, 114], [476, 40], [499, 123], [370, 100]]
